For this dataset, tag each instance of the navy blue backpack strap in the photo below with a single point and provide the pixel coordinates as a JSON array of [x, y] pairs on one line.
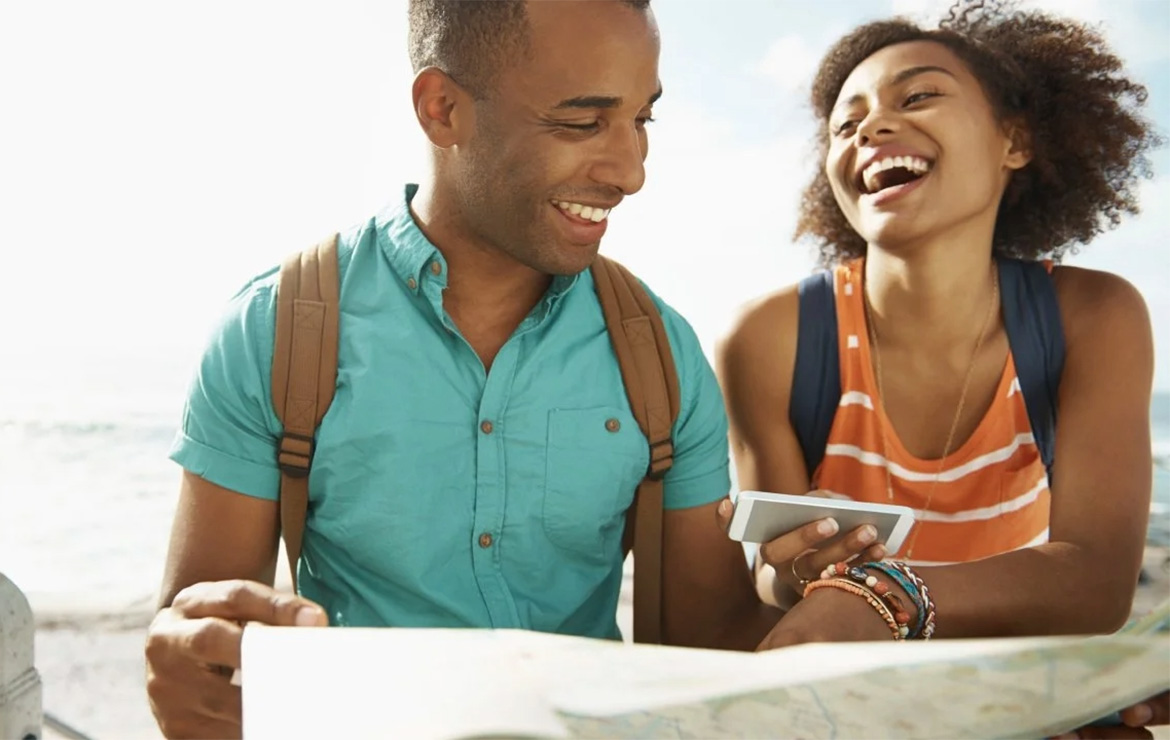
[[816, 378], [1031, 317]]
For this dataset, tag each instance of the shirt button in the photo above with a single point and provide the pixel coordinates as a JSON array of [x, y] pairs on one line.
[[411, 283], [436, 268], [613, 425], [486, 427], [485, 540]]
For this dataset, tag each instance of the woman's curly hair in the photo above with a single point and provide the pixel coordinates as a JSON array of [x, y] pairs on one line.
[[1089, 142]]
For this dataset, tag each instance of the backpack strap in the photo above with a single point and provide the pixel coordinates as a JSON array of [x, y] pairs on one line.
[[816, 377], [304, 374], [648, 371], [1035, 334], [1031, 317]]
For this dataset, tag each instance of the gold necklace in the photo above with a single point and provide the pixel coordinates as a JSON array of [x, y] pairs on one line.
[[877, 355]]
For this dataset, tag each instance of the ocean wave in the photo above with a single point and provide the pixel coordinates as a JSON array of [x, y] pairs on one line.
[[106, 432]]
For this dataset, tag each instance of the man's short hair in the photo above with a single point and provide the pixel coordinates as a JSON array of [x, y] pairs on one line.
[[472, 40]]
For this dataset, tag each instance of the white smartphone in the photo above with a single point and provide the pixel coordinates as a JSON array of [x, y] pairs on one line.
[[760, 517]]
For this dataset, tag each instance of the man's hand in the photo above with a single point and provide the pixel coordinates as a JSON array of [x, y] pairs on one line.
[[1134, 720], [193, 646]]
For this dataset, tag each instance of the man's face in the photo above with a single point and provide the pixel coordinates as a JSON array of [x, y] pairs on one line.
[[562, 137]]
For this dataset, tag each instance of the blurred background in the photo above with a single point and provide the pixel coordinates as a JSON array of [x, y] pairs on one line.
[[154, 156]]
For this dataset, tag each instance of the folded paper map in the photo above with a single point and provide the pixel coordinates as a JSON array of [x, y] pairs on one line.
[[449, 684]]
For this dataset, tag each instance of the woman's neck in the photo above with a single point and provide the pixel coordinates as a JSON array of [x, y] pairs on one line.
[[931, 295]]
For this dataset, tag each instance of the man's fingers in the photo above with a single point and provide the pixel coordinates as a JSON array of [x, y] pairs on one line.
[[210, 640], [219, 699], [723, 513], [1153, 711], [780, 551], [247, 601], [188, 698], [1119, 732]]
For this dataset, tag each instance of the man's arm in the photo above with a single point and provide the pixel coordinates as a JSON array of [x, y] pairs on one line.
[[218, 574], [709, 599], [225, 534], [219, 535]]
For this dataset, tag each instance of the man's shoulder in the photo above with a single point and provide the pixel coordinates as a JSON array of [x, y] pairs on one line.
[[678, 328], [353, 239], [686, 350]]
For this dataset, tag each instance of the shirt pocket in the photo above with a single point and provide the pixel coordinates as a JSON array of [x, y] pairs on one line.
[[595, 459]]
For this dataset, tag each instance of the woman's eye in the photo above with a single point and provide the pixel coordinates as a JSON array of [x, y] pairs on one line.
[[844, 127], [918, 97]]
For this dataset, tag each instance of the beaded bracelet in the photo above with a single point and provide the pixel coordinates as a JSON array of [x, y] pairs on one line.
[[844, 585], [911, 590], [928, 621], [916, 589], [879, 589]]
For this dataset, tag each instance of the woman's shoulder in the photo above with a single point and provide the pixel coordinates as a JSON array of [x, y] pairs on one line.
[[1093, 296], [1093, 302], [756, 355], [767, 319]]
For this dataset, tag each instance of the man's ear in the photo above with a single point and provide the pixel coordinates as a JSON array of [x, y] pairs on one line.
[[443, 108], [1019, 147]]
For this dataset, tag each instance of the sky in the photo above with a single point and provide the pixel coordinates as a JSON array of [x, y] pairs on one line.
[[156, 155]]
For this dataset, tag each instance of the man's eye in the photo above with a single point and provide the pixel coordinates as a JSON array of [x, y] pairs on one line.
[[645, 120], [580, 126]]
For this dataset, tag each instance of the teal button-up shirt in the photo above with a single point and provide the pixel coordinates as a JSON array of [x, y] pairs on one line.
[[441, 495]]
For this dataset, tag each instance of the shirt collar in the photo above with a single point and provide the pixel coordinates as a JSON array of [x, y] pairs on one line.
[[410, 252], [402, 241]]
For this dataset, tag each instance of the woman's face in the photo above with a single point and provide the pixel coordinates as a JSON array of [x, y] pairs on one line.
[[915, 150]]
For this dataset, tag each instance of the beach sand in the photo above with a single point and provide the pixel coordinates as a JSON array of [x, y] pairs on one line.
[[92, 668]]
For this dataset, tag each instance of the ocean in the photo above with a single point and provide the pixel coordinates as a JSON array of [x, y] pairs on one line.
[[87, 493]]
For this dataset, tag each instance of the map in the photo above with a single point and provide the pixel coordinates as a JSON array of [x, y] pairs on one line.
[[448, 684], [1032, 693]]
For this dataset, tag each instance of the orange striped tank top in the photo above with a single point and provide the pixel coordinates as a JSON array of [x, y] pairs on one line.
[[992, 492]]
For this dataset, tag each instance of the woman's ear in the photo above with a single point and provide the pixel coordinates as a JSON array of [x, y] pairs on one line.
[[1019, 145]]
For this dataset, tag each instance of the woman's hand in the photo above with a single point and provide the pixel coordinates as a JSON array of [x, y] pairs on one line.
[[827, 615], [797, 557]]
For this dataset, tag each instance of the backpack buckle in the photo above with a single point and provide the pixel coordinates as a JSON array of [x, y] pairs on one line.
[[295, 455], [661, 459]]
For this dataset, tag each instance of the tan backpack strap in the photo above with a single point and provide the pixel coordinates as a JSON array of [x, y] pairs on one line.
[[651, 380], [304, 374]]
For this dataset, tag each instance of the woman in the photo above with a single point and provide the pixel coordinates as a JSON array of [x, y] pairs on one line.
[[946, 153]]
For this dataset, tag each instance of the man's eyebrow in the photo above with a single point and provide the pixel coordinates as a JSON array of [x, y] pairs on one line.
[[898, 79], [599, 101]]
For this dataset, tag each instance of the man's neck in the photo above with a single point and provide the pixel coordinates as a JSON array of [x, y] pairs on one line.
[[481, 278], [488, 293]]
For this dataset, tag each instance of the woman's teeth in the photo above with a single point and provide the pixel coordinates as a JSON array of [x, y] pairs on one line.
[[869, 177]]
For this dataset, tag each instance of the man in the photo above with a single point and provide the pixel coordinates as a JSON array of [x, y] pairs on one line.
[[477, 461]]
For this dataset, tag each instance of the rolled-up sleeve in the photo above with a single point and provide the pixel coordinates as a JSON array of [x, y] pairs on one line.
[[701, 471], [229, 429]]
